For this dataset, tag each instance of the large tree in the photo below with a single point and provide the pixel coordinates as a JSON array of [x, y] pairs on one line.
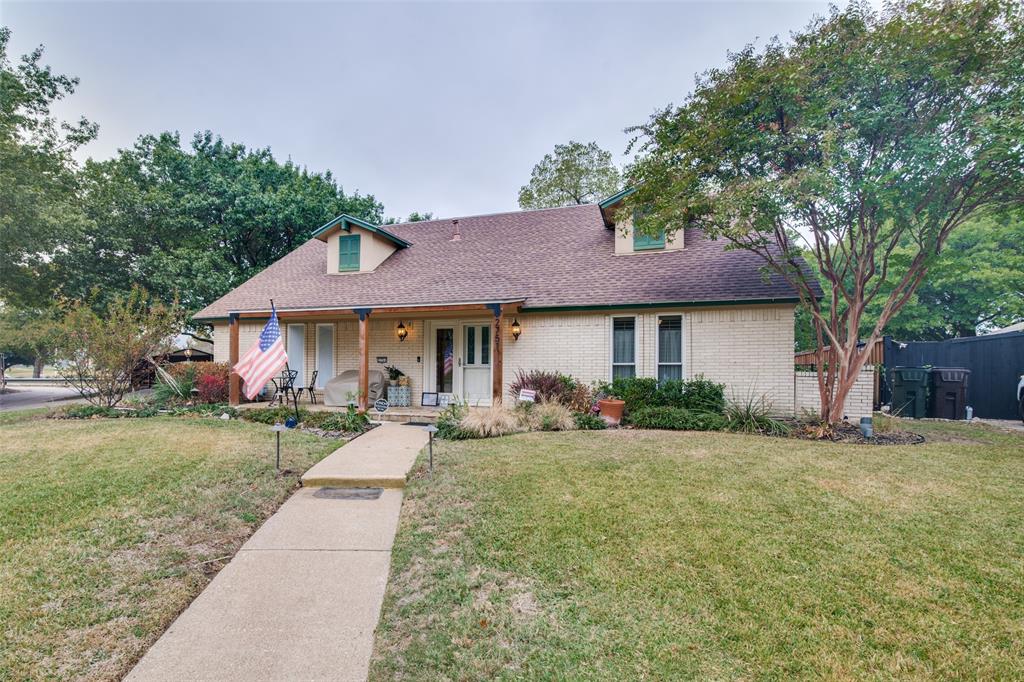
[[38, 185], [194, 222], [869, 133], [575, 173]]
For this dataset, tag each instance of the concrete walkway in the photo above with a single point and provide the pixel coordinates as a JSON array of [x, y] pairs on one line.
[[301, 599]]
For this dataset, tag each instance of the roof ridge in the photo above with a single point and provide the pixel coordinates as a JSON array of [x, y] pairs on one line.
[[488, 215]]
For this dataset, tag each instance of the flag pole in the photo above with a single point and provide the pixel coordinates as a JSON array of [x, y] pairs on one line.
[[295, 394]]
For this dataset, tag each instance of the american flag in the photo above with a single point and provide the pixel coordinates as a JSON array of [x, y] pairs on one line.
[[264, 359]]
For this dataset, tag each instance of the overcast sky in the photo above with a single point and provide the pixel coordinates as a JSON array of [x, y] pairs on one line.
[[427, 106]]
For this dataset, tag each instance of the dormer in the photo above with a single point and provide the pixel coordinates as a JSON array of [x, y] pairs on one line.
[[354, 245], [627, 240]]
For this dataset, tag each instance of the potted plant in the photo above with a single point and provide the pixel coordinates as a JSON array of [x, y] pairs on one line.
[[609, 406], [394, 374], [403, 380]]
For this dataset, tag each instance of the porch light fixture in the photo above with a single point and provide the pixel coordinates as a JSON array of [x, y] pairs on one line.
[[402, 331], [517, 329]]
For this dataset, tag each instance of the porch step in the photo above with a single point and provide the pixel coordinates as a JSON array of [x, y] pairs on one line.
[[403, 414]]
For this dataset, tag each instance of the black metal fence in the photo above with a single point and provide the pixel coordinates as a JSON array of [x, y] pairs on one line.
[[996, 362]]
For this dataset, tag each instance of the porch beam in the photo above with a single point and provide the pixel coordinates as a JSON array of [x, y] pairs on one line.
[[364, 358], [497, 377], [234, 381], [397, 310]]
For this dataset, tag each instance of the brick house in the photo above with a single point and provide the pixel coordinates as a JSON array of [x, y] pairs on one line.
[[460, 305]]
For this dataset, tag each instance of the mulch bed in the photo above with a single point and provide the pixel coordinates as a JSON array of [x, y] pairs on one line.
[[848, 433]]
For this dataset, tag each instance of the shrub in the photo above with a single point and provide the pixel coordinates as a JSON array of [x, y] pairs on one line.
[[548, 385], [174, 383], [491, 421], [752, 416], [211, 381], [704, 395], [449, 423], [579, 398], [349, 421], [87, 412], [588, 421], [274, 415], [637, 392], [676, 419]]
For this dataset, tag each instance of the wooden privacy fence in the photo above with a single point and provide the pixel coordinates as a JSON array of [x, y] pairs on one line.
[[809, 359]]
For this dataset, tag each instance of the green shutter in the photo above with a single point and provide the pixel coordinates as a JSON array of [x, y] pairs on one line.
[[348, 253], [643, 242]]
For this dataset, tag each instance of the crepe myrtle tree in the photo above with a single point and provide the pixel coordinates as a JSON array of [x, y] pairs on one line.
[[99, 348], [866, 132]]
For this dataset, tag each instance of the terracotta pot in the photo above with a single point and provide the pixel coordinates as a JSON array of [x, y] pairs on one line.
[[611, 410]]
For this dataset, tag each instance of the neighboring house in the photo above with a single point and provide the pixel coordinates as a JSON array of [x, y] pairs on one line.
[[589, 299]]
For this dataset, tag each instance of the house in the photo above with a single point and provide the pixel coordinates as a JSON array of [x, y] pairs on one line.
[[461, 305]]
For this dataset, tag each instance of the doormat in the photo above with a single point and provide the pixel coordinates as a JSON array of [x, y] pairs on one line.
[[348, 493]]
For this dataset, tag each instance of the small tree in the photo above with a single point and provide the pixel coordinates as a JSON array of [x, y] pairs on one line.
[[29, 334], [98, 353], [865, 142], [576, 173]]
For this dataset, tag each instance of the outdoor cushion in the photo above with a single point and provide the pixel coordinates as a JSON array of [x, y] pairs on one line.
[[344, 388]]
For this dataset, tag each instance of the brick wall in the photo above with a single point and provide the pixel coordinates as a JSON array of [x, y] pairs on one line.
[[750, 349], [859, 402]]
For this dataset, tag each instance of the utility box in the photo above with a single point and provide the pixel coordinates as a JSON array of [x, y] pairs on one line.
[[910, 391], [948, 399]]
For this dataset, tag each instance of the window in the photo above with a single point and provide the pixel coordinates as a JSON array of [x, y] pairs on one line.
[[348, 253], [670, 347], [623, 347], [643, 242]]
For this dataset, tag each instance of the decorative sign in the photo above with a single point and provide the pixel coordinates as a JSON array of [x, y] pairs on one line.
[[381, 405], [444, 399], [428, 399], [527, 396], [382, 359]]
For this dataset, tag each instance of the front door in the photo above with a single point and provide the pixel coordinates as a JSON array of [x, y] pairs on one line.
[[476, 363], [443, 360], [324, 354]]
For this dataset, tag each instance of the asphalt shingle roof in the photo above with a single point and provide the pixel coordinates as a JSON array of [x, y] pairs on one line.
[[562, 257]]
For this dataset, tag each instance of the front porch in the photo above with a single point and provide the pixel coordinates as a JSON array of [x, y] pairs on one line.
[[448, 353]]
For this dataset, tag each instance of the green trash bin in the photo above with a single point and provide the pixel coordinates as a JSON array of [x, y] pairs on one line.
[[948, 396], [909, 391]]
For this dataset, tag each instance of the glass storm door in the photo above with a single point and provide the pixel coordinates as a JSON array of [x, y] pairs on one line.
[[324, 354], [476, 366], [444, 360], [296, 349]]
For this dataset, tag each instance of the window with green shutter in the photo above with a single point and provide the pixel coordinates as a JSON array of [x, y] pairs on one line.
[[644, 242], [348, 253]]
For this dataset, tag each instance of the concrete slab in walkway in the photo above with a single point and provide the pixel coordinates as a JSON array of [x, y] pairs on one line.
[[301, 599], [379, 458]]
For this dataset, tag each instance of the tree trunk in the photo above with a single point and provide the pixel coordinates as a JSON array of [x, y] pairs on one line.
[[37, 366]]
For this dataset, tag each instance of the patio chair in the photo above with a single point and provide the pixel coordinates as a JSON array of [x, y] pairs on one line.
[[311, 389], [284, 385]]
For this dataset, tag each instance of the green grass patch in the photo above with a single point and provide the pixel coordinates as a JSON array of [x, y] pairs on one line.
[[651, 555], [109, 528]]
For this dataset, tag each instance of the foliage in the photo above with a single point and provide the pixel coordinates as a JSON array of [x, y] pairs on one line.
[[976, 283], [38, 186], [393, 372], [212, 381], [548, 385], [575, 173], [29, 334], [698, 394], [349, 421], [177, 385], [867, 132], [99, 353], [588, 421], [87, 412], [547, 415], [274, 415], [449, 422], [753, 415], [488, 422], [414, 217], [676, 418]]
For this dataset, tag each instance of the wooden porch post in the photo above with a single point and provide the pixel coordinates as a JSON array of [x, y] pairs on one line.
[[234, 381], [497, 380], [364, 359]]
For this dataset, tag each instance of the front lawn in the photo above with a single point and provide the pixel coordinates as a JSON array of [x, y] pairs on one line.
[[109, 528], [667, 555]]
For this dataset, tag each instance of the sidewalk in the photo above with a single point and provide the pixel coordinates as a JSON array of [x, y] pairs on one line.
[[301, 599]]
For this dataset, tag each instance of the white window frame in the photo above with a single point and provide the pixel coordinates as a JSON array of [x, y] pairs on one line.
[[316, 351], [611, 345], [682, 346]]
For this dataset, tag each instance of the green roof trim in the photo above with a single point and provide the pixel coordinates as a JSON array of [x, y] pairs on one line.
[[346, 222], [616, 198], [648, 306]]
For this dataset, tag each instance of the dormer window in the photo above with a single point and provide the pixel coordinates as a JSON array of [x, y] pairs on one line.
[[348, 253], [645, 242]]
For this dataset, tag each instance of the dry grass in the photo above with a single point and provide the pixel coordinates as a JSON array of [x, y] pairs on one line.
[[651, 555], [487, 422], [110, 528]]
